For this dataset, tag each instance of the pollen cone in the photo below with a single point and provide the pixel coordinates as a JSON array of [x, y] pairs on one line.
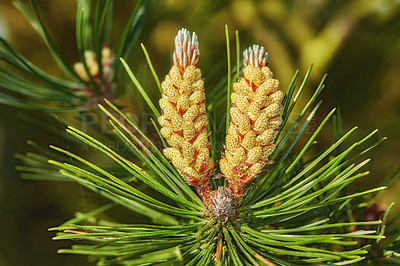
[[183, 118], [255, 117]]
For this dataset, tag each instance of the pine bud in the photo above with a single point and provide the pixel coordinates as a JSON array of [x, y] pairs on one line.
[[255, 117], [107, 59], [183, 117]]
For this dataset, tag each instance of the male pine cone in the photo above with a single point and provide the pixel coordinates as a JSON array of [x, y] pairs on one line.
[[183, 117], [254, 122]]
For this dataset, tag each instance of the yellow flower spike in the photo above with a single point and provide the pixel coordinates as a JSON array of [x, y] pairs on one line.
[[183, 117], [255, 119]]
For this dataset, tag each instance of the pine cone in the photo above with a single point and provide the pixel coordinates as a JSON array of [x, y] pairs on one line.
[[183, 117], [255, 120], [107, 59]]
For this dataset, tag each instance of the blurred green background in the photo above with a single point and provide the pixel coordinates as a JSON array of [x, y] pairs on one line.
[[357, 42]]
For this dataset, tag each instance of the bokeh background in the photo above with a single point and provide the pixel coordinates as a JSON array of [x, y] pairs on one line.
[[357, 42]]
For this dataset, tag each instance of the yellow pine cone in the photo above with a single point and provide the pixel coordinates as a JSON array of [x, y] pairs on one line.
[[183, 117], [254, 121], [107, 59]]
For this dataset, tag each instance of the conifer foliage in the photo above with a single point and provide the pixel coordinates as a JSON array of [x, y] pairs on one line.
[[261, 202]]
